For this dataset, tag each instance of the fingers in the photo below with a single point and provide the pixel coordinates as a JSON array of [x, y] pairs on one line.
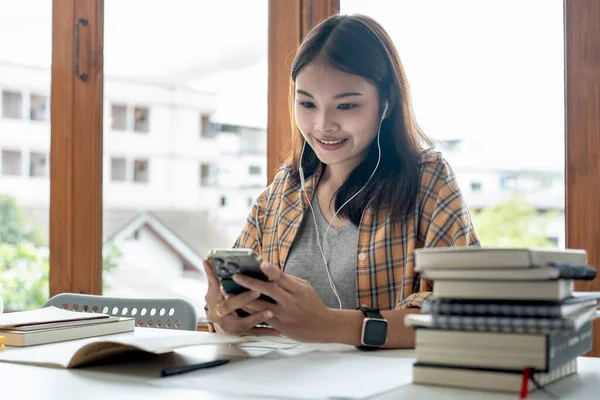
[[231, 304], [271, 289], [255, 319], [224, 293], [260, 305], [213, 295], [210, 274], [237, 325], [287, 282]]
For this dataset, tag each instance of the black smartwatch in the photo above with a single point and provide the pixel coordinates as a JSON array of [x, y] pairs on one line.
[[374, 329]]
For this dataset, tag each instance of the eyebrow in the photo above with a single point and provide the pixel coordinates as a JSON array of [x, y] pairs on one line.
[[337, 96]]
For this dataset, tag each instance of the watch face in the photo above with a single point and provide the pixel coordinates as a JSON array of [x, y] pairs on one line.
[[375, 332]]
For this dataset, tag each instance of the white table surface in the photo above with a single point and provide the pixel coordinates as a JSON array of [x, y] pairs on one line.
[[131, 380]]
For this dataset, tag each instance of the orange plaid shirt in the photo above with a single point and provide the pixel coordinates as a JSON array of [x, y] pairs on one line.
[[386, 277]]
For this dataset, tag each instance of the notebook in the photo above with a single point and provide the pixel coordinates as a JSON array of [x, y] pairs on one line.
[[494, 257], [503, 290], [511, 308], [485, 379], [112, 348], [550, 272], [492, 350], [43, 316], [44, 334], [571, 323]]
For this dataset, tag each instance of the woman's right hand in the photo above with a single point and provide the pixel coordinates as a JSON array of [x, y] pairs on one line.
[[221, 309]]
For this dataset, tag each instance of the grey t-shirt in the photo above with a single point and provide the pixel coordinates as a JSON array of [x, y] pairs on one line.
[[306, 261]]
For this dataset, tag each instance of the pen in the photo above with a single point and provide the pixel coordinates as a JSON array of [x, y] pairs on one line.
[[188, 368]]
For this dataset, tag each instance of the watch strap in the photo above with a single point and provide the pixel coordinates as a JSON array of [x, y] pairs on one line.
[[371, 312]]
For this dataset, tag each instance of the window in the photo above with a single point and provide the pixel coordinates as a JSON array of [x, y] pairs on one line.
[[140, 171], [38, 165], [38, 108], [12, 105], [11, 163], [223, 201], [230, 128], [254, 170], [118, 117], [208, 175], [142, 119], [25, 76], [170, 98], [475, 186], [206, 126], [118, 169], [502, 78]]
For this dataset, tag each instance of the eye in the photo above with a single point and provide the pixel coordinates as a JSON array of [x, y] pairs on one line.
[[346, 106], [306, 104]]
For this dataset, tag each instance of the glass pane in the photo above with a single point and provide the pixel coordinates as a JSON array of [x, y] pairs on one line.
[[24, 152], [490, 90], [184, 146]]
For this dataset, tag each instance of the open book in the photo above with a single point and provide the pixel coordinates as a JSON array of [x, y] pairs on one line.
[[77, 353]]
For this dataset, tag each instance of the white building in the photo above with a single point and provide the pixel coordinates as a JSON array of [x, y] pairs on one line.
[[489, 174], [175, 183]]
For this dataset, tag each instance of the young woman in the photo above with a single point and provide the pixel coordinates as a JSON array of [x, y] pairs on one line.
[[361, 190]]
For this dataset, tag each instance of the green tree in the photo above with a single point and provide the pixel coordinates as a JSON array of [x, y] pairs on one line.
[[24, 260], [24, 270], [13, 226], [513, 224]]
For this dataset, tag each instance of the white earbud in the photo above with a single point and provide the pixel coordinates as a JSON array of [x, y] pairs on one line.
[[300, 169], [385, 107]]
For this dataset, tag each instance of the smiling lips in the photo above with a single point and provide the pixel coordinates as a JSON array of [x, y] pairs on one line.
[[331, 144]]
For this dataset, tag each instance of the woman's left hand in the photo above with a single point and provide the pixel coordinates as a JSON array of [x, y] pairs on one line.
[[299, 313]]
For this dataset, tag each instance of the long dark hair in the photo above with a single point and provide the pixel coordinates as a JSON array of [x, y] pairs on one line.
[[358, 45]]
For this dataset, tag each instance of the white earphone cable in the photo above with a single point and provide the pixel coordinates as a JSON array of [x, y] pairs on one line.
[[322, 247]]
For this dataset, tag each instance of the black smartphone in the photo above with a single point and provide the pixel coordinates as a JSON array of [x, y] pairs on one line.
[[227, 262]]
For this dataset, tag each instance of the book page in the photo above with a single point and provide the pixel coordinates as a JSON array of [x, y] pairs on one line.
[[311, 375], [72, 353]]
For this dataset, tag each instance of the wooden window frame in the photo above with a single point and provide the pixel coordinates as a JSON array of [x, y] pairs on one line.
[[289, 22], [582, 136], [76, 126], [76, 147]]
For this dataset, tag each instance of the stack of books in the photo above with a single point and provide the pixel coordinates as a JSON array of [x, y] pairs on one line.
[[503, 320], [52, 324]]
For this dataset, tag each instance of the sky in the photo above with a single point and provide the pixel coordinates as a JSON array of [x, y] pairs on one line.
[[490, 71]]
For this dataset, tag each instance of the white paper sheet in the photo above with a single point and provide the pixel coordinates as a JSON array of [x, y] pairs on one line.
[[311, 375]]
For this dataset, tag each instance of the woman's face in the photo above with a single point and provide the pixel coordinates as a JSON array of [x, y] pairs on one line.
[[338, 114]]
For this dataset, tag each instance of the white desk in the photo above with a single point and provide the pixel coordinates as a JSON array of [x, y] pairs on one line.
[[130, 381]]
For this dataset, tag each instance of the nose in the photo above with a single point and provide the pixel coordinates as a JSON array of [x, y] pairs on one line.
[[325, 121]]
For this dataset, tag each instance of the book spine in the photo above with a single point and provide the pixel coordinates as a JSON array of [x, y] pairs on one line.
[[437, 307], [564, 347], [501, 324]]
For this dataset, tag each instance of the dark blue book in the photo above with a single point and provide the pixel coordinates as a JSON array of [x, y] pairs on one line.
[[511, 308]]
